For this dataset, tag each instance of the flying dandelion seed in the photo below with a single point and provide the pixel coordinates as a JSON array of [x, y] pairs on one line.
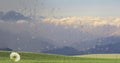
[[15, 56]]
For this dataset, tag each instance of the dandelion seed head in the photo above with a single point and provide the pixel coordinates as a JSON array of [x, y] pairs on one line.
[[15, 56]]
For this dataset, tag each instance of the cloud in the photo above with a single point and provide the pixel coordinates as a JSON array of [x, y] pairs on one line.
[[1, 14], [116, 22], [100, 23], [62, 21], [84, 21], [116, 33], [21, 21], [12, 16]]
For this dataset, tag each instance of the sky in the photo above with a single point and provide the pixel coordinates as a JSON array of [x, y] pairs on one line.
[[64, 7], [59, 23]]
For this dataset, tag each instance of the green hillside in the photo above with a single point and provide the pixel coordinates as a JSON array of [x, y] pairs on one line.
[[49, 58], [108, 56]]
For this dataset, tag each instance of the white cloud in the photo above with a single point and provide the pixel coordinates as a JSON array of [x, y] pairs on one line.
[[84, 21], [21, 21], [116, 22], [81, 24], [100, 23]]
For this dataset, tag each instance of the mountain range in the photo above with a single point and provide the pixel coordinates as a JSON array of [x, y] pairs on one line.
[[107, 45]]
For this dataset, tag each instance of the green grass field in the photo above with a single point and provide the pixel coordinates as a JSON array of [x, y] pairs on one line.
[[49, 58]]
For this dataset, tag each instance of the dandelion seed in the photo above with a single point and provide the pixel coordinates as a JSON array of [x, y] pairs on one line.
[[15, 56]]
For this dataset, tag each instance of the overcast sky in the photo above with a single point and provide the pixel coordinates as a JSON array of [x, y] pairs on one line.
[[65, 7]]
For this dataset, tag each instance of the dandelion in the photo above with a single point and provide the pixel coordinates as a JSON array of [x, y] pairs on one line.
[[14, 56]]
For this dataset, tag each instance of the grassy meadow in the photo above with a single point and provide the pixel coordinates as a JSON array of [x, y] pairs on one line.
[[27, 57]]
